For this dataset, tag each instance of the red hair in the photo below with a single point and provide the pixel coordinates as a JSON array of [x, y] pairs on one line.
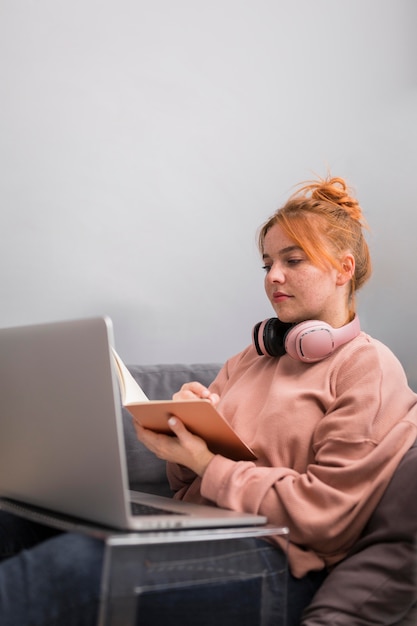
[[325, 221]]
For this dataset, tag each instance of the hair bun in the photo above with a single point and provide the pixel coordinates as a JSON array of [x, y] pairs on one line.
[[336, 192]]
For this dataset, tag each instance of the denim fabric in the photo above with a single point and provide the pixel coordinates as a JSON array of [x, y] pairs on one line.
[[217, 582], [214, 602], [57, 582], [17, 533]]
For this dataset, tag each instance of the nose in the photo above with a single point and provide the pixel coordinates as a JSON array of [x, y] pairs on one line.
[[275, 274]]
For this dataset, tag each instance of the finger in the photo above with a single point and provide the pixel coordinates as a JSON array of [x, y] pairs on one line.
[[214, 398], [191, 390], [176, 425], [180, 431], [195, 390]]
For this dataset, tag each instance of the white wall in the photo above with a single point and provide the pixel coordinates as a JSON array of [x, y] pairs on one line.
[[143, 143]]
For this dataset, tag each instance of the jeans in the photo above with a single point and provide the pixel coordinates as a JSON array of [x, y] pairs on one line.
[[54, 579]]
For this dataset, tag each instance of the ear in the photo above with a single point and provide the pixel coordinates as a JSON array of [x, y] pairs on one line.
[[347, 271]]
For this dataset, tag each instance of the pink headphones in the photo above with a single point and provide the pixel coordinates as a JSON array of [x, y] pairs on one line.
[[309, 341]]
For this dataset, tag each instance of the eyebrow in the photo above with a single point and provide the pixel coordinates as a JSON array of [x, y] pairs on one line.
[[283, 251]]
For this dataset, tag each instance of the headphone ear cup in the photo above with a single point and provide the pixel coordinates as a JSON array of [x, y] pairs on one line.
[[310, 341], [314, 340], [268, 337]]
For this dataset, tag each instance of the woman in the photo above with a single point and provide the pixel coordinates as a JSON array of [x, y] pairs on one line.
[[326, 408], [329, 423]]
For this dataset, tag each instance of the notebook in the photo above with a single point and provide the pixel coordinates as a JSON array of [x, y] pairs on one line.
[[61, 434], [199, 416]]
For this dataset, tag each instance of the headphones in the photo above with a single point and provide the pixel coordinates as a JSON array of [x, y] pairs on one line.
[[309, 341]]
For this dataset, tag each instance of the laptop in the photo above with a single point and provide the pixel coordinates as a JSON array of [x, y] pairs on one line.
[[61, 434]]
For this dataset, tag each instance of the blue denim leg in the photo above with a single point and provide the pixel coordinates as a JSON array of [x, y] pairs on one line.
[[240, 581], [17, 533], [237, 581], [55, 583]]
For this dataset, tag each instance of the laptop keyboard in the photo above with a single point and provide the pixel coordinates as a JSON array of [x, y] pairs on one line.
[[138, 508]]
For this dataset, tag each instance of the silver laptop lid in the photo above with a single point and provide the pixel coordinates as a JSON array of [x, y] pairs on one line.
[[61, 446]]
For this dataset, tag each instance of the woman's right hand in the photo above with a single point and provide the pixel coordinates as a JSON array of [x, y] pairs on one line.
[[196, 391]]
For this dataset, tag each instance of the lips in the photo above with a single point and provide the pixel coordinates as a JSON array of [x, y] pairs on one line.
[[279, 296]]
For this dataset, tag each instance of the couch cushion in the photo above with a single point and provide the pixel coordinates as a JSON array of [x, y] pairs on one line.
[[146, 472]]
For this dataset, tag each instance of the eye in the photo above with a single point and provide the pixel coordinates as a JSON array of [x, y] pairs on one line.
[[295, 259], [266, 268]]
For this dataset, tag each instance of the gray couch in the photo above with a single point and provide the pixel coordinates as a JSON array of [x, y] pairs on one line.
[[376, 583]]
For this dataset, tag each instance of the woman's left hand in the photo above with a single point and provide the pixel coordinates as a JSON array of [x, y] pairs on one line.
[[185, 448]]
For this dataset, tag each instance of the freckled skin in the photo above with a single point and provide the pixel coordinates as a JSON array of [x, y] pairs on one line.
[[299, 290]]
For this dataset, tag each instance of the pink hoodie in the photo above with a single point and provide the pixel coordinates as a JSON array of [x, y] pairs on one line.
[[328, 437]]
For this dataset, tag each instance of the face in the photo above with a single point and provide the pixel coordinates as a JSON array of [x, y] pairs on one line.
[[299, 290]]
